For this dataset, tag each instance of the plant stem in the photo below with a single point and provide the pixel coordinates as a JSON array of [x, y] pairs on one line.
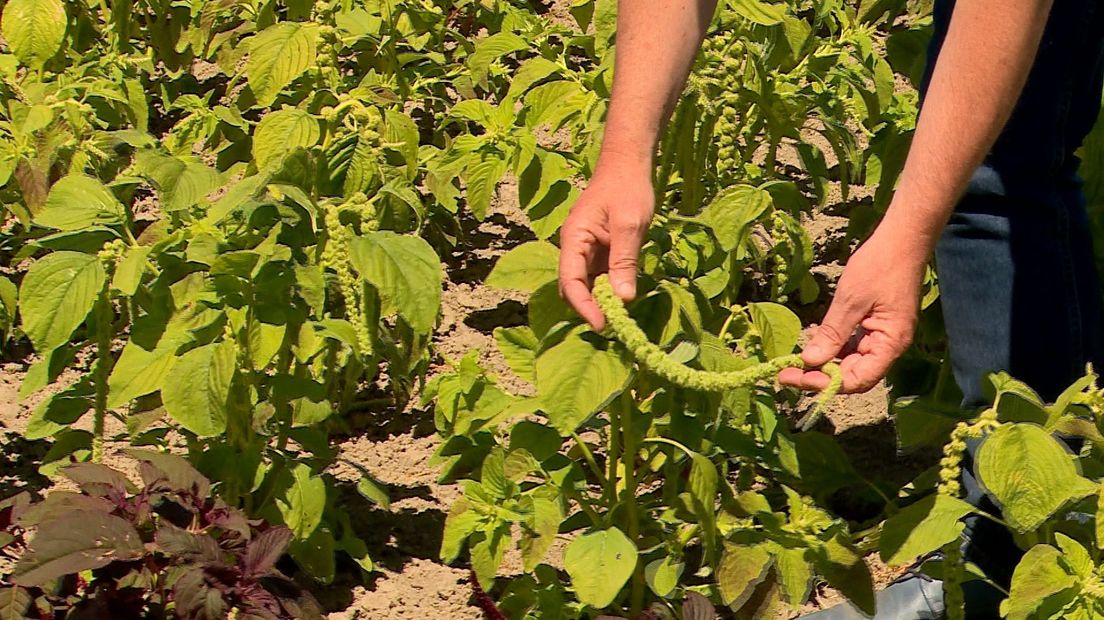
[[588, 456], [609, 495], [103, 368], [629, 497]]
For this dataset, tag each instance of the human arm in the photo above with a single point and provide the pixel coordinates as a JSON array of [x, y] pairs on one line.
[[981, 71], [656, 45]]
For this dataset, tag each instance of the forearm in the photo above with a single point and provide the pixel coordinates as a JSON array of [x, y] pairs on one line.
[[656, 45], [980, 73]]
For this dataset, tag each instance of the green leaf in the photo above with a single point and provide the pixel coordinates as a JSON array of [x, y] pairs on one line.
[[662, 575], [315, 554], [758, 12], [491, 49], [542, 527], [180, 183], [600, 564], [373, 491], [539, 440], [57, 294], [922, 527], [703, 491], [78, 201], [1038, 576], [527, 267], [406, 272], [487, 550], [196, 397], [129, 271], [742, 568], [34, 29], [303, 502], [518, 346], [1029, 490], [79, 541], [794, 574], [460, 523], [280, 133], [732, 213], [481, 177], [277, 56], [576, 379], [778, 326]]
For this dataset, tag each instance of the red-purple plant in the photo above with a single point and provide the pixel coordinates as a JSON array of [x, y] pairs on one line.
[[166, 550]]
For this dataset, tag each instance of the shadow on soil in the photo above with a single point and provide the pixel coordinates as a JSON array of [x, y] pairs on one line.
[[19, 459], [394, 538]]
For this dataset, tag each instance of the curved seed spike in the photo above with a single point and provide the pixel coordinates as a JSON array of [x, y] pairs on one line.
[[625, 329]]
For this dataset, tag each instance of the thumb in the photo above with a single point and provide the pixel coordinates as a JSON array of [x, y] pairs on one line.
[[624, 252], [831, 336]]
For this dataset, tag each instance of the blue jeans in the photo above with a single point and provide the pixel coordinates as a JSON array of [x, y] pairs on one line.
[[1017, 279]]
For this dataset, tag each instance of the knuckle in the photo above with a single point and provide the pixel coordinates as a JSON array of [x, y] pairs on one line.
[[831, 333]]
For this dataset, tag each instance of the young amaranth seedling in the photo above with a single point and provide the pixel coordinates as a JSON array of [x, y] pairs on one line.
[[625, 329]]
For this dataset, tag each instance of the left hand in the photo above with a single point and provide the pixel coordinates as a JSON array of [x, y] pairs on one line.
[[871, 320]]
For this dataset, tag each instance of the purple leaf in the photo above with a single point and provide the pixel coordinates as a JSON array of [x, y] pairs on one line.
[[178, 542], [81, 540], [61, 503], [264, 550], [14, 602], [98, 480], [196, 599], [176, 471], [697, 607]]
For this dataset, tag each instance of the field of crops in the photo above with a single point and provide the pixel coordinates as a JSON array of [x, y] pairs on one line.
[[280, 333]]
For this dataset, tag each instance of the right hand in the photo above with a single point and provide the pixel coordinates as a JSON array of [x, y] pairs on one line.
[[604, 233]]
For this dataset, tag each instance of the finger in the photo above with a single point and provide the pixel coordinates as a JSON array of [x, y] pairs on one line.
[[625, 241], [575, 284], [863, 372], [577, 293], [831, 336], [810, 380], [791, 377]]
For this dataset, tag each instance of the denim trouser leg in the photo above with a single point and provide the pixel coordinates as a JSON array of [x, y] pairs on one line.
[[1017, 280]]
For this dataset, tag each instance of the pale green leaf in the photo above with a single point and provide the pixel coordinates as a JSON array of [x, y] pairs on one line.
[[526, 267], [600, 564], [731, 214], [662, 575], [576, 379], [57, 294], [129, 271], [34, 29], [277, 56], [778, 327], [1029, 474], [1038, 576], [922, 527], [481, 177], [78, 201], [197, 395], [740, 570], [303, 502], [280, 133], [406, 272], [518, 346]]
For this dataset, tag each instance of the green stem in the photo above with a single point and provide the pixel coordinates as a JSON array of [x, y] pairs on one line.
[[588, 456], [629, 498], [103, 370], [609, 495]]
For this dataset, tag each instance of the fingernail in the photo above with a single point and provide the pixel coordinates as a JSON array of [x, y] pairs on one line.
[[625, 289], [814, 350]]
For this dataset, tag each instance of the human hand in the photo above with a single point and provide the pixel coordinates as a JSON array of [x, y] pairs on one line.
[[871, 320], [604, 233]]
